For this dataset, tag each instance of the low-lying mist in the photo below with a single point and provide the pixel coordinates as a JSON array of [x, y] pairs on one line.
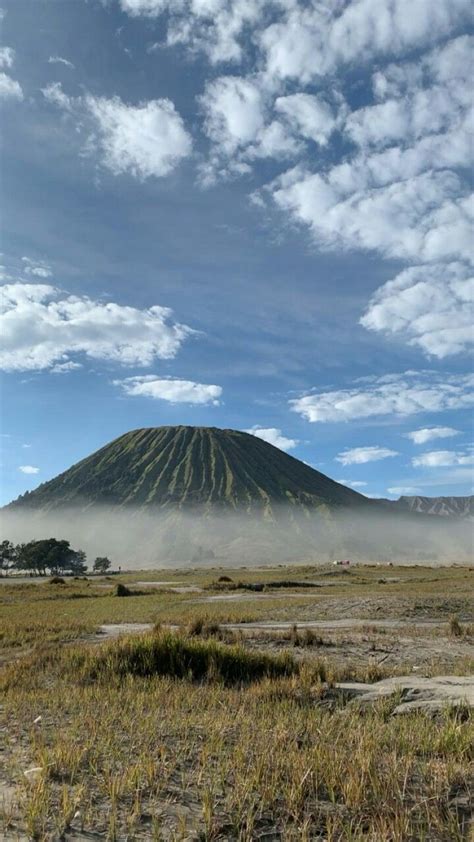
[[140, 539]]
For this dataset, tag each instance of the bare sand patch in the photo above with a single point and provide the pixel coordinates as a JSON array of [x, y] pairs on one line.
[[417, 692]]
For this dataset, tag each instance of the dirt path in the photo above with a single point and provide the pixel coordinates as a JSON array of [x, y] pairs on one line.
[[350, 623], [111, 630]]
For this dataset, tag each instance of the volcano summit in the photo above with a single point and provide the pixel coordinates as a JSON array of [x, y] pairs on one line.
[[190, 466]]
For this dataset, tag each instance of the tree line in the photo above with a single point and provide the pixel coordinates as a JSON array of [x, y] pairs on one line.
[[47, 555]]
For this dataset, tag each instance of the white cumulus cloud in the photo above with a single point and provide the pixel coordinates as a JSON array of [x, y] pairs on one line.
[[399, 394], [300, 40], [400, 191], [144, 140], [9, 88], [28, 469], [42, 327], [426, 217], [314, 118], [214, 27], [7, 56], [429, 306], [313, 40], [426, 98], [240, 124], [274, 436], [425, 434], [170, 389], [361, 455], [234, 111]]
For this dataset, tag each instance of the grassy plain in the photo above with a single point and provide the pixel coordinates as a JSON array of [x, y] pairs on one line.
[[215, 733]]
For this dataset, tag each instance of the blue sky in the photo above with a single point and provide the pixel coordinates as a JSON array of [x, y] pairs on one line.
[[239, 214]]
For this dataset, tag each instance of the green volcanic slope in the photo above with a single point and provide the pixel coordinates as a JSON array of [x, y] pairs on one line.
[[171, 467]]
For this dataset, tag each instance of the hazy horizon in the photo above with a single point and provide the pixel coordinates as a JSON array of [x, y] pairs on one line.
[[140, 539]]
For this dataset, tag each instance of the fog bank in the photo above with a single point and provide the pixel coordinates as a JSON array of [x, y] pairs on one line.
[[146, 539]]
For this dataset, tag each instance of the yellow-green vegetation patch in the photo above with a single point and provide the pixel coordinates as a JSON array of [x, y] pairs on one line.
[[35, 613], [165, 757], [167, 654]]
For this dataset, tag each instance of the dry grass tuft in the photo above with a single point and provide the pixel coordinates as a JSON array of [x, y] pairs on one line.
[[455, 627]]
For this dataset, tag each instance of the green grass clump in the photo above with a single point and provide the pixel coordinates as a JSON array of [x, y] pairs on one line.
[[168, 654]]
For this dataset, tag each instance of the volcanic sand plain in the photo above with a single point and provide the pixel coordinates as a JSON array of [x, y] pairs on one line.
[[212, 704]]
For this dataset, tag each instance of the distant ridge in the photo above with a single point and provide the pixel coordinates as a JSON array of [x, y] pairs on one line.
[[176, 467], [441, 506]]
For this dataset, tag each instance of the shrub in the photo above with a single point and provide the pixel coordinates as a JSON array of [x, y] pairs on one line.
[[212, 630], [202, 628], [304, 637], [195, 627], [295, 635], [251, 586], [225, 579], [311, 639], [174, 655], [290, 583], [57, 580], [122, 590]]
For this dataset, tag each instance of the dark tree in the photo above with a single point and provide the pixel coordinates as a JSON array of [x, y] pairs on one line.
[[8, 553], [32, 557], [101, 564], [37, 557], [77, 562]]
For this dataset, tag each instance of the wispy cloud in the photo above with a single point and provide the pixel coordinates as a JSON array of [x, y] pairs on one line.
[[399, 394], [60, 60], [443, 459], [400, 490], [360, 455], [425, 434], [38, 268], [352, 483]]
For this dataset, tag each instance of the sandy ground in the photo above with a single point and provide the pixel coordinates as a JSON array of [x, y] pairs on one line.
[[387, 643], [390, 632]]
